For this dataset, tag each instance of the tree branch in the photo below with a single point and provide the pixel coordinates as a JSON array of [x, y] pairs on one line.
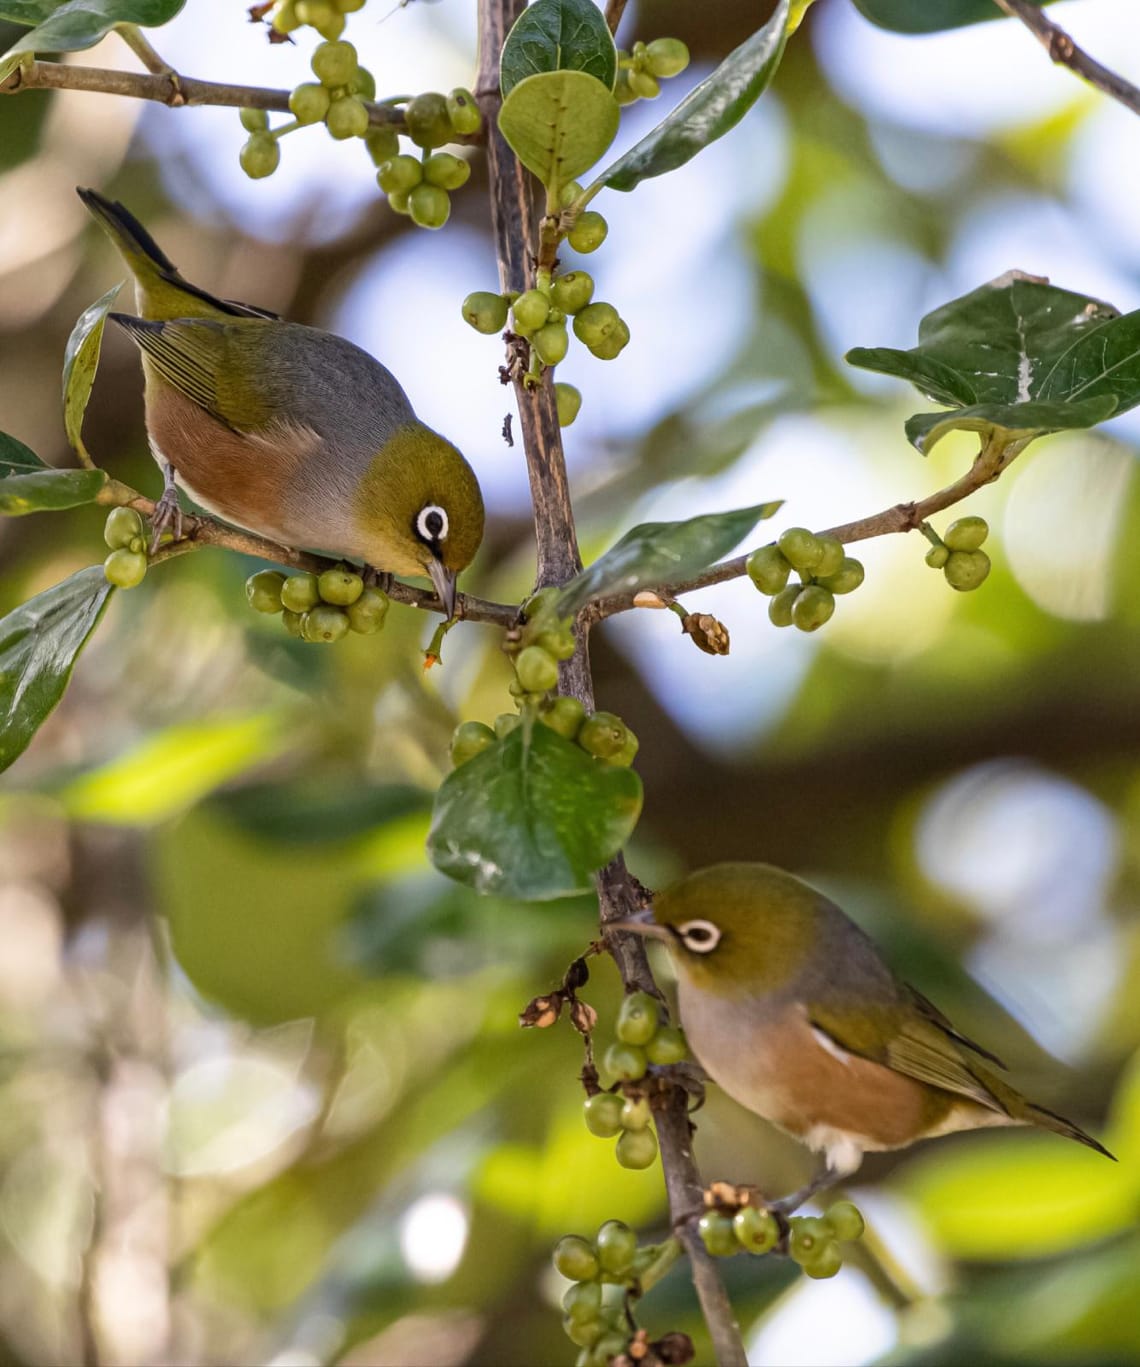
[[614, 11], [1065, 52], [901, 517]]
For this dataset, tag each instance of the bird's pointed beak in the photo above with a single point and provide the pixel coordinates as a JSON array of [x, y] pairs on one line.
[[642, 923], [444, 581]]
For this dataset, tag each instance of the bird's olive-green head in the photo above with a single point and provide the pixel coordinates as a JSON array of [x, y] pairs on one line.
[[738, 927], [419, 509]]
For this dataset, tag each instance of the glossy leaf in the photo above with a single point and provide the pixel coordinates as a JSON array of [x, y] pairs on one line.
[[79, 24], [533, 817], [28, 12], [1018, 356], [27, 485], [662, 552], [709, 110], [558, 35], [559, 124], [80, 362], [39, 644], [929, 16]]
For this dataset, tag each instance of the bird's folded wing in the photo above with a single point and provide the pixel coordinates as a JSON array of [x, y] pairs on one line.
[[931, 1012]]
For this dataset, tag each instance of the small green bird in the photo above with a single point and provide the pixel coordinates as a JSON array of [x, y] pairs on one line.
[[789, 1007], [289, 431]]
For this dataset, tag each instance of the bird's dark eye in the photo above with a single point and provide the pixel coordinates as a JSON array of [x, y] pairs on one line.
[[431, 523], [701, 937]]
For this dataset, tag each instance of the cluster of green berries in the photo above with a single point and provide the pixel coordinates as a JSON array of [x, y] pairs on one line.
[[959, 555], [823, 569], [641, 71], [624, 1113], [319, 608], [601, 734], [596, 1322], [813, 1241], [420, 186], [124, 533], [326, 16]]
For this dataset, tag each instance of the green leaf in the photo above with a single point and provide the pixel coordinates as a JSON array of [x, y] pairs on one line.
[[79, 24], [709, 110], [558, 35], [1017, 356], [27, 485], [928, 16], [29, 12], [662, 552], [559, 124], [80, 362], [39, 644], [532, 818]]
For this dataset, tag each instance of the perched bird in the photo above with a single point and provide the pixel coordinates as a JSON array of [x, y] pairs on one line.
[[289, 431], [789, 1007]]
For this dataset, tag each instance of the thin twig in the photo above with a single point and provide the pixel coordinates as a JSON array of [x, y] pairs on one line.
[[614, 11], [141, 46], [900, 517], [1065, 52]]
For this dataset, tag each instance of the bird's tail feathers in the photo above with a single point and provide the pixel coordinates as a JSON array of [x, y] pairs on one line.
[[1050, 1120], [141, 251]]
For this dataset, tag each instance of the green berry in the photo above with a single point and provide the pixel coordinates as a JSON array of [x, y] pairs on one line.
[[643, 84], [802, 549], [624, 93], [602, 734], [123, 526], [826, 1263], [332, 26], [813, 607], [309, 103], [717, 1234], [463, 112], [966, 570], [530, 311], [537, 670], [627, 754], [583, 1302], [315, 12], [324, 624], [557, 641], [383, 144], [780, 607], [254, 120], [399, 173], [505, 723], [846, 578], [347, 118], [348, 6], [589, 232], [937, 556], [616, 1245], [470, 738], [768, 569], [263, 591], [610, 1346], [831, 561], [625, 1062], [364, 84], [603, 1112], [334, 63], [575, 1258], [366, 615], [637, 1018], [569, 193], [569, 401], [341, 587], [584, 1333], [966, 534], [667, 56], [572, 292], [260, 156], [595, 323], [564, 715], [636, 1149], [551, 342], [285, 18], [446, 171], [300, 592], [636, 1113], [125, 569], [809, 1234], [610, 347], [429, 206], [667, 1046], [845, 1220], [427, 120], [399, 201], [486, 312], [294, 622], [757, 1230]]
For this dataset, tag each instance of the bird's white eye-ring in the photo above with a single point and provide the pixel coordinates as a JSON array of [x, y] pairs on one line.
[[431, 523], [702, 937]]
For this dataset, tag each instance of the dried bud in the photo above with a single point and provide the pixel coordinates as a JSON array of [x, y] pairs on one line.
[[577, 975], [542, 1011], [674, 1349], [583, 1017], [648, 599], [638, 1349], [708, 634]]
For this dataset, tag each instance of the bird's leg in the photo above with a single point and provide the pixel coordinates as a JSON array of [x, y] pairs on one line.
[[167, 511], [786, 1205], [376, 579]]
